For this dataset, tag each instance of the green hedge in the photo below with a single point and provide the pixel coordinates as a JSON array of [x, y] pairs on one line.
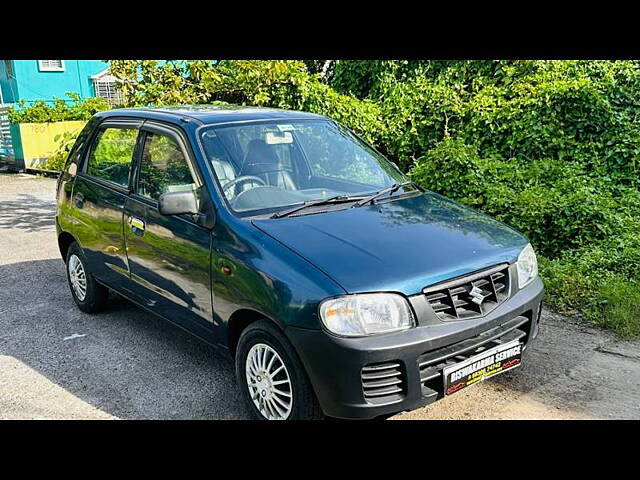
[[59, 110], [280, 84]]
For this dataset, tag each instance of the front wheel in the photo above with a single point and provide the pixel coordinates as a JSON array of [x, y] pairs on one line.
[[272, 378]]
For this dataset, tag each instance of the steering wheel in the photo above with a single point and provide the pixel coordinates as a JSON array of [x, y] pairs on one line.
[[243, 179]]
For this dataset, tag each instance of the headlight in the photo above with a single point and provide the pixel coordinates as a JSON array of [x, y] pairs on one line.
[[366, 314], [527, 266]]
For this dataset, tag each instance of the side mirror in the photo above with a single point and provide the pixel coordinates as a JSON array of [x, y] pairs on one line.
[[177, 203]]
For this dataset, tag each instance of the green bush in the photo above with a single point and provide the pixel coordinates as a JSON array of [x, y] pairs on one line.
[[599, 282], [362, 78], [556, 204], [65, 143], [60, 110], [618, 307], [279, 84]]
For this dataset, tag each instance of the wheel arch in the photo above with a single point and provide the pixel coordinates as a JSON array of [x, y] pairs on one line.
[[239, 321], [65, 239]]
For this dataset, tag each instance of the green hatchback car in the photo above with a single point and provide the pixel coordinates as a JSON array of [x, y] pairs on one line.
[[338, 286]]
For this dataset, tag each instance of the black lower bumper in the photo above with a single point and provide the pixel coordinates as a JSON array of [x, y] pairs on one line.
[[415, 357]]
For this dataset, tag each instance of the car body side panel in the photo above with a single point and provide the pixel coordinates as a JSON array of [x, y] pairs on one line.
[[98, 211], [264, 277], [170, 265], [65, 218], [65, 214]]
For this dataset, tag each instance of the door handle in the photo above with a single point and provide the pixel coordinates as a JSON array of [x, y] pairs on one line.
[[137, 225]]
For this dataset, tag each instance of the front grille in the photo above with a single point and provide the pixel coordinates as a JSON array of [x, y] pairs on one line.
[[383, 383], [470, 296], [432, 363]]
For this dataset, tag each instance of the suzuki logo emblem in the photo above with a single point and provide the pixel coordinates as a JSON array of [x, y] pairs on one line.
[[477, 295]]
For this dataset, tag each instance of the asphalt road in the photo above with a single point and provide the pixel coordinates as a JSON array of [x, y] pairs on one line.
[[56, 362]]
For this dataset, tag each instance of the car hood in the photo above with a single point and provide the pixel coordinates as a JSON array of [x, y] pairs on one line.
[[401, 245]]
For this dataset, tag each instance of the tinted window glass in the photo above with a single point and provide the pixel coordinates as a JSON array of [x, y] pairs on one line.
[[164, 168], [111, 154]]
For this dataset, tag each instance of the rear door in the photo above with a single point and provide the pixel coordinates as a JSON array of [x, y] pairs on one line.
[[169, 256], [99, 194]]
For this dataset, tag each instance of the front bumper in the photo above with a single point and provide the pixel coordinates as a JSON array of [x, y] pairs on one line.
[[335, 364]]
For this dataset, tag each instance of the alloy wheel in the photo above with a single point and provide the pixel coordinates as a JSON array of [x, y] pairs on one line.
[[77, 277], [269, 382]]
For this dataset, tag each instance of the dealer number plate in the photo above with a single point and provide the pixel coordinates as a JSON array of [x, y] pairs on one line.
[[487, 364]]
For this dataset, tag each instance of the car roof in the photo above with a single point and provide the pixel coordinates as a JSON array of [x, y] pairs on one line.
[[211, 114]]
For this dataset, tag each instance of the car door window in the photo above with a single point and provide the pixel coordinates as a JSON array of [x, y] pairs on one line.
[[111, 154], [164, 168]]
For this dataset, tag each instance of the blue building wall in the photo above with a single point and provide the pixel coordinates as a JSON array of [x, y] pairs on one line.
[[30, 84], [7, 84]]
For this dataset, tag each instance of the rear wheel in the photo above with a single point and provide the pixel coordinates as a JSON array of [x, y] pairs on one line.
[[88, 294], [272, 378]]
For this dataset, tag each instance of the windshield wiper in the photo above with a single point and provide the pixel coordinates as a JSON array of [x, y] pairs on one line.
[[313, 203], [391, 189]]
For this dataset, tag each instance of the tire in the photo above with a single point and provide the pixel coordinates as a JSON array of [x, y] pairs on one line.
[[263, 338], [95, 295]]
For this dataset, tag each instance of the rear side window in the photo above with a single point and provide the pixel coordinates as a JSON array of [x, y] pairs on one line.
[[164, 168], [111, 155]]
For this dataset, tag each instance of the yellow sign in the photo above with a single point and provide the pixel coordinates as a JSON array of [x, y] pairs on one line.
[[38, 139]]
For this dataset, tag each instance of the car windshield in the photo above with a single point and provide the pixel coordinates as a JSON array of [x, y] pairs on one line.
[[263, 166]]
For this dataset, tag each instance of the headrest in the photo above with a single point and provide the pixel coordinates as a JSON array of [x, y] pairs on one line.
[[260, 158]]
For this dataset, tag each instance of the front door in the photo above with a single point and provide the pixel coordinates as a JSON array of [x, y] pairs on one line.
[[169, 256]]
